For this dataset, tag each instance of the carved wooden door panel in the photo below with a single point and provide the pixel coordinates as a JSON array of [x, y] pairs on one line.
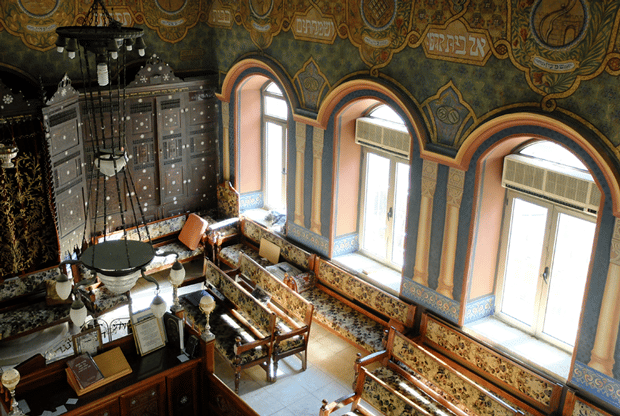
[[65, 143], [141, 149], [171, 124], [149, 400], [202, 133]]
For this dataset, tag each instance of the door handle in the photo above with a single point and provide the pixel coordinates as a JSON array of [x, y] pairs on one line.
[[545, 275], [390, 213]]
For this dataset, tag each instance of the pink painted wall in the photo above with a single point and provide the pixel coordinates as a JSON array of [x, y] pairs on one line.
[[349, 165], [489, 229], [249, 134]]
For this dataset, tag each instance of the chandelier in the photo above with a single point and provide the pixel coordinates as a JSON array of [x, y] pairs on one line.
[[101, 45]]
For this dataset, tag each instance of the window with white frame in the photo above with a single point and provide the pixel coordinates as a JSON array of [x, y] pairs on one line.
[[546, 247], [385, 188], [275, 115]]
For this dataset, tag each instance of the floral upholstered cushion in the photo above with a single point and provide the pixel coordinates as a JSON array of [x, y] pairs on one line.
[[365, 293], [12, 288], [230, 255], [100, 299], [382, 398], [289, 343], [459, 390], [181, 249], [345, 320], [301, 282], [30, 317], [227, 201], [532, 385]]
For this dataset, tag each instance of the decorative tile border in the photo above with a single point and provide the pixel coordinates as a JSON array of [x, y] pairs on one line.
[[479, 308], [251, 200], [597, 384], [309, 239], [348, 243], [432, 300]]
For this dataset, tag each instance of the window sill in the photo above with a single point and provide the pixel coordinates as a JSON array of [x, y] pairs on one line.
[[371, 271], [531, 351]]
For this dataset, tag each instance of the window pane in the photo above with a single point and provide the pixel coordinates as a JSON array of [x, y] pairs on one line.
[[553, 153], [571, 261], [527, 231], [400, 213], [276, 107], [386, 113], [375, 204], [274, 166]]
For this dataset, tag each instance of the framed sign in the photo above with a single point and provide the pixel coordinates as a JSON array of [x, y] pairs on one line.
[[88, 341], [149, 335]]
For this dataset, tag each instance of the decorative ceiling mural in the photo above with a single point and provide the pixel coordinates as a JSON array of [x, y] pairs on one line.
[[556, 45], [171, 19], [35, 21]]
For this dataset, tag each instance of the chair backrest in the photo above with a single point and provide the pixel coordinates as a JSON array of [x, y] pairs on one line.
[[361, 291], [288, 251], [262, 318], [227, 201], [293, 303], [461, 389]]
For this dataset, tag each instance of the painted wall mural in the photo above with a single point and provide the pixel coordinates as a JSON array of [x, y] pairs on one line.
[[557, 45]]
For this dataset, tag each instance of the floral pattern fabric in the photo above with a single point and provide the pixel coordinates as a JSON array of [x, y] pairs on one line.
[[462, 392], [227, 201], [25, 285], [345, 320], [491, 363], [295, 305], [30, 317], [226, 328], [365, 293], [230, 255], [258, 315], [301, 282], [290, 252], [383, 399]]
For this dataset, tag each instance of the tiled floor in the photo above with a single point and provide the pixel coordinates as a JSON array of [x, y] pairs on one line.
[[299, 393]]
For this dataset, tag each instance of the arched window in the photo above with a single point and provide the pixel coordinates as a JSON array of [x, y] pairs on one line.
[[275, 115], [385, 187], [546, 242]]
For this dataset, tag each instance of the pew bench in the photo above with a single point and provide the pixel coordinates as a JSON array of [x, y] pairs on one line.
[[527, 389], [293, 313], [30, 303], [243, 327], [350, 307], [411, 380], [251, 236]]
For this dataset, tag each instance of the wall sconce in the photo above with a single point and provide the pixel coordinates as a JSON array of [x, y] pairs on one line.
[[177, 276], [10, 378], [207, 304]]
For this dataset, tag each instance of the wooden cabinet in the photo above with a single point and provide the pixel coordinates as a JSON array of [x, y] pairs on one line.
[[146, 400], [171, 144], [158, 385], [183, 397]]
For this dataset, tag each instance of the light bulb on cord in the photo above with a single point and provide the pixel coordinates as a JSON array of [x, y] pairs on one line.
[[158, 306], [103, 78], [78, 313], [63, 286]]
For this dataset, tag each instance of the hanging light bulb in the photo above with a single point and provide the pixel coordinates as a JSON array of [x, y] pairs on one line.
[[63, 286], [78, 313], [129, 44], [72, 47], [103, 78], [60, 44], [177, 274], [158, 306], [113, 48], [141, 46]]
